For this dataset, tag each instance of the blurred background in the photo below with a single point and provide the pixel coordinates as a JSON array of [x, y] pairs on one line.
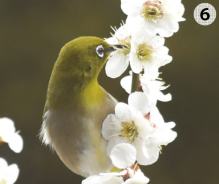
[[31, 35]]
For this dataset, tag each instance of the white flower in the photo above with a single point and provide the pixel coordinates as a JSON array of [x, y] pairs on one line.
[[132, 123], [8, 173], [153, 16], [129, 125], [163, 134], [9, 135], [145, 51], [119, 60], [151, 87], [148, 53], [128, 176]]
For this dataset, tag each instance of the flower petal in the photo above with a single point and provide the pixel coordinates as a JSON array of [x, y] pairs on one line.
[[156, 116], [170, 125], [126, 83], [135, 64], [123, 155], [16, 143], [3, 163], [8, 174], [138, 178], [114, 141], [157, 41], [7, 128], [103, 179], [139, 101], [164, 98], [130, 6], [116, 65], [147, 153], [123, 112], [163, 135], [111, 40], [12, 173], [111, 127]]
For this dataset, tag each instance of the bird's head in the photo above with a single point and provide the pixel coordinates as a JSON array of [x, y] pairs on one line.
[[85, 56], [77, 68]]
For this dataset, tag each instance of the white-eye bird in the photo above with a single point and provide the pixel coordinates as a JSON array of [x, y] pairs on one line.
[[76, 106]]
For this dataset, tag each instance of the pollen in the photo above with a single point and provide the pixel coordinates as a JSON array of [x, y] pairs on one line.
[[127, 43], [129, 131], [152, 11], [144, 52]]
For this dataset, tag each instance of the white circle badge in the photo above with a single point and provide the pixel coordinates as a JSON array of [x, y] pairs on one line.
[[205, 14]]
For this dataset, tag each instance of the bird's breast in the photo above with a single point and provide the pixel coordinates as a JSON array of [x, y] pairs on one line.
[[76, 137]]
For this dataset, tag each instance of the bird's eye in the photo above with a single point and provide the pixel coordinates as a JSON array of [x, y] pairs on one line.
[[100, 51]]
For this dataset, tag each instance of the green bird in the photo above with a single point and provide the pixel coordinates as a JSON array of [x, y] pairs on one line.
[[76, 106]]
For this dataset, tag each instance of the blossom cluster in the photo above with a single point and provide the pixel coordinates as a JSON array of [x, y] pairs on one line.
[[136, 132], [9, 135]]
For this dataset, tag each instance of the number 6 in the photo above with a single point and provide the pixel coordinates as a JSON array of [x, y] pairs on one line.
[[204, 14]]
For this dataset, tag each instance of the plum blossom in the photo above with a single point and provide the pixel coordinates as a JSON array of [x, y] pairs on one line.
[[148, 53], [130, 124], [134, 177], [119, 60], [142, 52], [163, 134], [136, 131], [8, 173], [151, 87], [153, 16], [9, 135]]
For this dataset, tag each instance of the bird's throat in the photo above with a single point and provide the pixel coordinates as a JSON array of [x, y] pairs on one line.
[[71, 91], [92, 95]]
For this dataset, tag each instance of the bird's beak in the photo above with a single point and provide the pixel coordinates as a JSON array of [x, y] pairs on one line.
[[113, 48]]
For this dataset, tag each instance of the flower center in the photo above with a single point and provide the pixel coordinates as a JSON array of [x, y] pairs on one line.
[[129, 131], [152, 10], [127, 43], [144, 52], [3, 181]]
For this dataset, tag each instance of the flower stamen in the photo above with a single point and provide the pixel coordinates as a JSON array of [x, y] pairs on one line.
[[127, 43], [152, 10], [3, 181], [144, 52], [129, 131]]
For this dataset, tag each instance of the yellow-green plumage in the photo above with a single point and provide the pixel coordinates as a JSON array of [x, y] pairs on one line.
[[77, 66], [76, 106]]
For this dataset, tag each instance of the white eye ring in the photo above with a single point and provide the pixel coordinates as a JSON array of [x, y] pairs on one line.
[[100, 51]]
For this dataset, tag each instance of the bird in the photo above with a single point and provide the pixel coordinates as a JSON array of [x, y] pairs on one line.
[[76, 105]]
